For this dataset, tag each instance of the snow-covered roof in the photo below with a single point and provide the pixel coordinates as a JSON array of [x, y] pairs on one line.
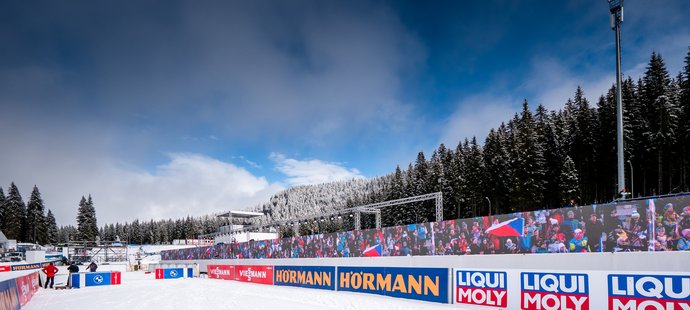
[[241, 214], [2, 237]]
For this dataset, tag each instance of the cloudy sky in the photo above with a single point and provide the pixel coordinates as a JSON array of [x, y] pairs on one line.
[[160, 109]]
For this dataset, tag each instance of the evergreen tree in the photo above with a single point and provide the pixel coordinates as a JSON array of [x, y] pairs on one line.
[[553, 159], [14, 215], [568, 181], [36, 224], [87, 228], [528, 171], [52, 231], [683, 141], [2, 207], [497, 168]]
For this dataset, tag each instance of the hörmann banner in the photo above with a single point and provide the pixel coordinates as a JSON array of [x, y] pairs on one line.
[[482, 288], [428, 284], [640, 291], [554, 291], [224, 272], [321, 277], [254, 274]]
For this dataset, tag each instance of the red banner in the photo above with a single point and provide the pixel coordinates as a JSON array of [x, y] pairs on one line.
[[115, 278], [27, 286], [225, 272], [254, 274], [159, 273], [4, 268]]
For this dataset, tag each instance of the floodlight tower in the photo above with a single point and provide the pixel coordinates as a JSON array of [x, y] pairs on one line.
[[616, 9]]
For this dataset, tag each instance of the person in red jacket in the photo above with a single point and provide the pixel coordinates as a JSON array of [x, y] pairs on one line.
[[50, 272]]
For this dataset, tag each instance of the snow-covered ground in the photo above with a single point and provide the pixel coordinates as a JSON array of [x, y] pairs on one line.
[[142, 291]]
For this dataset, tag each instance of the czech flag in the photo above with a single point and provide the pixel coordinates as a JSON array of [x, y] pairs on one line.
[[509, 228], [372, 251]]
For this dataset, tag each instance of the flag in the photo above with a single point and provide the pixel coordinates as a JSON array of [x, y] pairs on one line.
[[509, 228], [372, 251]]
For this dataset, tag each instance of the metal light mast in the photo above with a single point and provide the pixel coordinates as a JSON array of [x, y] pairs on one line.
[[616, 9]]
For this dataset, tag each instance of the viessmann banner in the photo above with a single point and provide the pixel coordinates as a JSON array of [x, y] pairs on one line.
[[254, 274], [321, 277], [224, 272], [428, 284]]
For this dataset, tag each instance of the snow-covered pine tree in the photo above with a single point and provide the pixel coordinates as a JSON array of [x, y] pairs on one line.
[[476, 178], [52, 231], [497, 168], [568, 181], [553, 158], [87, 228], [662, 116], [36, 225], [528, 171], [684, 120], [14, 215], [2, 206]]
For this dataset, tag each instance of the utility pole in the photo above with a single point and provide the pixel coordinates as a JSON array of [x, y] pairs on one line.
[[616, 9]]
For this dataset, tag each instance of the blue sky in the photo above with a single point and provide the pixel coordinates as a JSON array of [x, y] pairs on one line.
[[167, 108]]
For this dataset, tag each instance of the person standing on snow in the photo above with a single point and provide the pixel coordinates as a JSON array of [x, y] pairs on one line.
[[50, 272], [92, 267]]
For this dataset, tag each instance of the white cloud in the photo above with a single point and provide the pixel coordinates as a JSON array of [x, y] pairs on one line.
[[313, 171], [66, 168]]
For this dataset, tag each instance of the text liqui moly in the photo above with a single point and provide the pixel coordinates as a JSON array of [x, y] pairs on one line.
[[648, 292], [484, 288], [551, 291]]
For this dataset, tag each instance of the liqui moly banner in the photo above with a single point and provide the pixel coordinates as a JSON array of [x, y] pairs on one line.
[[225, 272], [254, 274], [557, 291], [648, 292], [482, 288]]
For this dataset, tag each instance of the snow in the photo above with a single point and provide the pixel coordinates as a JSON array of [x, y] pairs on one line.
[[142, 291]]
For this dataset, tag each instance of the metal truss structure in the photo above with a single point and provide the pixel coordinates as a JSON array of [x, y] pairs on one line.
[[355, 212]]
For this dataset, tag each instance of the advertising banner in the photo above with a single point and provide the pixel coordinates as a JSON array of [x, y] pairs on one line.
[[96, 278], [254, 274], [26, 287], [554, 291], [224, 272], [76, 280], [169, 273], [115, 277], [321, 277], [428, 284], [9, 297], [482, 288], [4, 268], [635, 291]]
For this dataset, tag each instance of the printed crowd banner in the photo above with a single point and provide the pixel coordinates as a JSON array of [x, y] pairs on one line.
[[554, 291], [254, 274], [483, 288], [428, 284], [321, 277], [9, 297], [225, 272], [639, 292]]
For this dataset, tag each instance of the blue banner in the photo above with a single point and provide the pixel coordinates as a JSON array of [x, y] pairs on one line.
[[173, 273], [190, 272], [632, 291], [96, 278], [9, 298], [76, 281], [428, 284], [321, 277]]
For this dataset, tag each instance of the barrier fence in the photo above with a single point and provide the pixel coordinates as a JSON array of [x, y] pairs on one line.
[[499, 288], [656, 224], [16, 293]]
